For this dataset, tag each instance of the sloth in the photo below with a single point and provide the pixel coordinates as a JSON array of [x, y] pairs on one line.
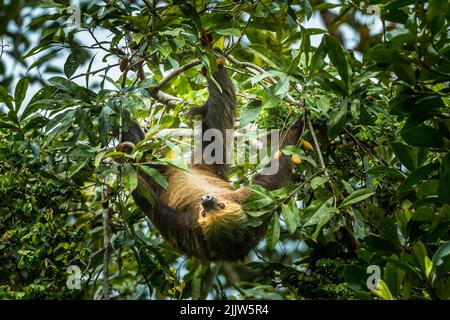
[[200, 213]]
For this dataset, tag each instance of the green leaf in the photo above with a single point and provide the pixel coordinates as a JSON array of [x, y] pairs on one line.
[[229, 32], [405, 267], [421, 255], [444, 181], [355, 276], [393, 172], [20, 92], [337, 56], [405, 72], [337, 120], [257, 214], [424, 214], [72, 88], [384, 292], [308, 9], [180, 164], [404, 155], [72, 64], [45, 92], [428, 188], [289, 218], [273, 232], [157, 176], [441, 253], [422, 136], [322, 214], [7, 125], [357, 196], [129, 177], [393, 277], [318, 59], [250, 113], [318, 181], [5, 97], [418, 175], [321, 217], [282, 87], [99, 157], [259, 198]]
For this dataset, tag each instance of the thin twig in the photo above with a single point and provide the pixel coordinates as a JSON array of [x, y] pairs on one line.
[[316, 145], [106, 288], [96, 71]]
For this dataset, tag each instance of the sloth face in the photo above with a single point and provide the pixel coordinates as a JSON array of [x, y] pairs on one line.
[[221, 219], [211, 204]]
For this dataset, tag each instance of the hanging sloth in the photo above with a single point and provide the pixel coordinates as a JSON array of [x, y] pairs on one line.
[[200, 213]]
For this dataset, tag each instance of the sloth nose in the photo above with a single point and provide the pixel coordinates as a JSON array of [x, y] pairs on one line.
[[207, 199]]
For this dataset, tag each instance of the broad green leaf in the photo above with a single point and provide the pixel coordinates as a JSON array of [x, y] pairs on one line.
[[357, 196], [99, 157], [5, 97], [273, 232], [323, 214], [318, 181], [259, 198], [250, 113], [72, 64], [157, 176], [444, 181], [337, 56], [318, 58], [129, 177], [405, 267], [425, 213], [20, 92], [418, 175], [282, 87], [337, 120], [384, 292], [422, 136], [404, 155], [420, 252], [355, 276], [441, 253], [308, 9], [289, 218]]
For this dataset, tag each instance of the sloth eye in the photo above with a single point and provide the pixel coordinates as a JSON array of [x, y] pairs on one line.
[[221, 205], [203, 213]]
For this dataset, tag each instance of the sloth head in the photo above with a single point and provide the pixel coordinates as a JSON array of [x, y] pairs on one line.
[[222, 219]]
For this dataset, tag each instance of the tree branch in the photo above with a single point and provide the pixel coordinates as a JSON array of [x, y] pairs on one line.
[[175, 73], [248, 65], [105, 272], [316, 145]]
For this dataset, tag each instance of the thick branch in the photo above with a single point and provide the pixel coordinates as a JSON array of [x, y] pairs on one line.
[[175, 73]]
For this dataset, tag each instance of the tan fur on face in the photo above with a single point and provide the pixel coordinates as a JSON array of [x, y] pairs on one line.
[[199, 182], [186, 188]]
